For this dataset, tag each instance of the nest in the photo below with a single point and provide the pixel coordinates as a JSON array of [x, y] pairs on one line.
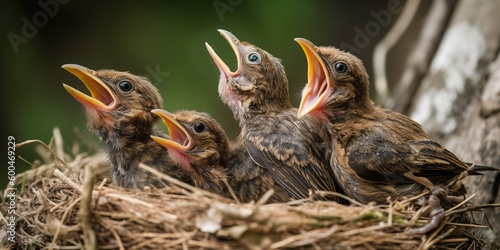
[[68, 203]]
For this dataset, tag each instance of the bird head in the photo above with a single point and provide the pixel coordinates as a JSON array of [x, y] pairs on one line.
[[258, 84], [196, 140], [337, 81], [115, 97]]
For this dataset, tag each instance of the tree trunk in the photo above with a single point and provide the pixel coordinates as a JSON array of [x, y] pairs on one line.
[[458, 100]]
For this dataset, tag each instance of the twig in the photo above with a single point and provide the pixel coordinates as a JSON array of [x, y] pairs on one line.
[[473, 208], [25, 161], [265, 197], [240, 212], [453, 240], [45, 145], [362, 230], [415, 217], [466, 225], [129, 199], [312, 236], [383, 47], [58, 141], [68, 181], [460, 204], [58, 230], [102, 183], [231, 191], [117, 238], [89, 237], [404, 202], [345, 197], [112, 228], [437, 239], [390, 212], [418, 62]]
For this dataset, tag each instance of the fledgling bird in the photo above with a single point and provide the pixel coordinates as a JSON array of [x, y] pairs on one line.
[[377, 152], [118, 110], [257, 94], [200, 145]]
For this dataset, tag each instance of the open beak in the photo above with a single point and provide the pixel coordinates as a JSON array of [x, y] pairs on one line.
[[102, 98], [180, 140], [234, 42], [318, 87]]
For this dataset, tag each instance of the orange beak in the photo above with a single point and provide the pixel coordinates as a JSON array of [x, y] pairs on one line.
[[319, 86], [234, 42], [180, 140], [102, 97]]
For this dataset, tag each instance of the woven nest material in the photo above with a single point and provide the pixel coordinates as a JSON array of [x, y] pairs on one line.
[[67, 203]]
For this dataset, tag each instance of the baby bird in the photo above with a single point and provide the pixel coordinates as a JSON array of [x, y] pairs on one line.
[[119, 111], [292, 150], [376, 152], [199, 144]]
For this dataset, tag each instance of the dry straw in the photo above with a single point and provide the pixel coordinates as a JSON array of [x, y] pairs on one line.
[[67, 203]]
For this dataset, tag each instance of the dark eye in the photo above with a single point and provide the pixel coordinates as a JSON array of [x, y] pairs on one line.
[[340, 67], [254, 58], [199, 127], [125, 86]]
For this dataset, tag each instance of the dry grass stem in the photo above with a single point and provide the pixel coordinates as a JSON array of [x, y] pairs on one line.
[[73, 206]]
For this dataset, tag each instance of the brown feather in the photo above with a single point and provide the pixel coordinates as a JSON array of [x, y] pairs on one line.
[[274, 137], [212, 160], [375, 149], [125, 131]]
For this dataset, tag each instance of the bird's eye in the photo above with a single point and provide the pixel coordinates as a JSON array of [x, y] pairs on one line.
[[254, 58], [125, 86], [340, 67], [199, 127]]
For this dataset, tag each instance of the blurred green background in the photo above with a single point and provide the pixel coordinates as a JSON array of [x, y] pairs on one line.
[[141, 36]]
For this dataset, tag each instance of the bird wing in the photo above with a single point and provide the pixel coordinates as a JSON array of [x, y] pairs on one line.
[[436, 163], [292, 150], [380, 158]]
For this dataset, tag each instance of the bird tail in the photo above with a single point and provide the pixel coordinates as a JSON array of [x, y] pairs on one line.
[[475, 169]]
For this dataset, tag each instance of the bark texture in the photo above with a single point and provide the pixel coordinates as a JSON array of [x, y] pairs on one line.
[[458, 100]]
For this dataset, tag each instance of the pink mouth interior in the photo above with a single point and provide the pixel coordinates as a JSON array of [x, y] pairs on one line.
[[320, 84], [179, 136], [103, 96]]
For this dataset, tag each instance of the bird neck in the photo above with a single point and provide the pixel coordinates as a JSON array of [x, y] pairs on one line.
[[126, 142], [346, 112], [346, 123], [254, 108]]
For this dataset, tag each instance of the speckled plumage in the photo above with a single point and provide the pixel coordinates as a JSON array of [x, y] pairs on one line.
[[124, 123], [257, 93], [377, 152], [199, 145], [250, 181], [203, 149]]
